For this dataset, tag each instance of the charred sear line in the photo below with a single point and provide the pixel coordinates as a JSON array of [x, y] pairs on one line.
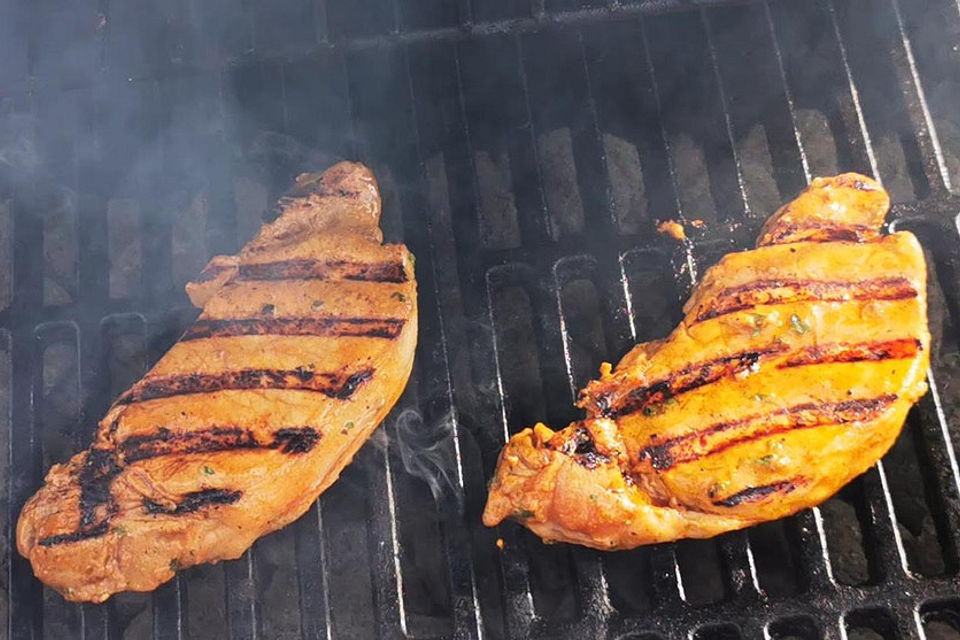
[[339, 385], [194, 501], [694, 376], [329, 326], [100, 467], [755, 494], [324, 270], [768, 292], [292, 440], [812, 231], [723, 435], [166, 442], [843, 352], [76, 536]]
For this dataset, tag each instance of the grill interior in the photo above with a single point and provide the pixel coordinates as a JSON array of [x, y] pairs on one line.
[[524, 152]]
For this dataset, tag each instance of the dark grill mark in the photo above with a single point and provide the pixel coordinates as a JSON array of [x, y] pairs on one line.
[[324, 270], [843, 352], [812, 231], [212, 271], [165, 442], [295, 439], [194, 501], [721, 436], [102, 466], [766, 292], [76, 536], [96, 506], [755, 494], [330, 326], [337, 385], [686, 379], [99, 469]]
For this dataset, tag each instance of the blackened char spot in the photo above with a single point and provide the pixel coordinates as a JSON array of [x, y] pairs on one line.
[[295, 440], [351, 384], [194, 501], [96, 474], [582, 448], [99, 469], [753, 494]]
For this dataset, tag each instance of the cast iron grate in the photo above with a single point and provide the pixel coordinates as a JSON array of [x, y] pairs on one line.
[[524, 151]]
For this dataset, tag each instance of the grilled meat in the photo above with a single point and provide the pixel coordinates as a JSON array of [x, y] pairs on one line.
[[305, 342], [791, 373]]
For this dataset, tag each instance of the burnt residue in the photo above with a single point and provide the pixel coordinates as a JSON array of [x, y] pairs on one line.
[[194, 501], [386, 271], [327, 326], [583, 449], [295, 440], [165, 442], [755, 494], [900, 349], [769, 292], [721, 436], [339, 385], [692, 377]]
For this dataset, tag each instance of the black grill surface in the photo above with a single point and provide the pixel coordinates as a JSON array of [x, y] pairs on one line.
[[525, 151]]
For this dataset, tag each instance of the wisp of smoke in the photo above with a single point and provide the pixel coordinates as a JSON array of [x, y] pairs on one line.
[[427, 451]]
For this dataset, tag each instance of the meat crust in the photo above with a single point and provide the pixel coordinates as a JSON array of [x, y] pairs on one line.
[[305, 342], [790, 374]]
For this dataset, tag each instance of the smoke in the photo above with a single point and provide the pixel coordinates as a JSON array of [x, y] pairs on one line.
[[20, 155], [427, 450]]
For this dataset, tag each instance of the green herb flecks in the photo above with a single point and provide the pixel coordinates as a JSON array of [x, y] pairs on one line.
[[524, 514], [174, 564], [208, 471], [798, 325], [268, 309], [396, 295]]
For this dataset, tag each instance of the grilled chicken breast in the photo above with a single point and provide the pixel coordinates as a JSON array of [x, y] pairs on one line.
[[791, 373], [305, 342]]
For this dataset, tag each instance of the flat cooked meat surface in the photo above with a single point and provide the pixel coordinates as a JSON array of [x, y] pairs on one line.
[[305, 342], [791, 373]]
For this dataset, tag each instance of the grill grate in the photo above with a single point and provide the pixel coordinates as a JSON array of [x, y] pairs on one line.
[[523, 152]]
